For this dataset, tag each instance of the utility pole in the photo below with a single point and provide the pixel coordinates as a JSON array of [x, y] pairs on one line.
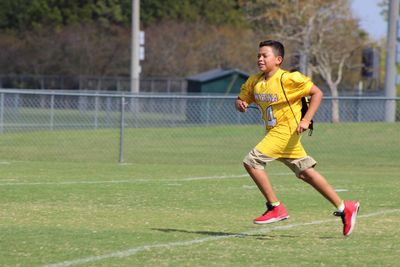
[[391, 68], [135, 47]]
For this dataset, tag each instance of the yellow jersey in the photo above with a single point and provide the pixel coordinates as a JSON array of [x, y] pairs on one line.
[[282, 139]]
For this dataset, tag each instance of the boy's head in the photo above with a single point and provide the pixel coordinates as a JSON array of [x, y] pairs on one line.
[[278, 48], [270, 55]]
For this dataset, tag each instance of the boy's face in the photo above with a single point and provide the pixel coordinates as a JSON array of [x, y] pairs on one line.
[[267, 61]]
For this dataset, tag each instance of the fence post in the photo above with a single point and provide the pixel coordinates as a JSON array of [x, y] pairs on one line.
[[96, 111], [108, 121], [121, 131], [208, 112], [52, 112], [1, 113]]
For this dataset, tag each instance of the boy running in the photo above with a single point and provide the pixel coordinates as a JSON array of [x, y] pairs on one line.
[[278, 95]]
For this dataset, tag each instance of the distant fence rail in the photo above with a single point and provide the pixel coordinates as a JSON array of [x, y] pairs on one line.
[[24, 111], [93, 83]]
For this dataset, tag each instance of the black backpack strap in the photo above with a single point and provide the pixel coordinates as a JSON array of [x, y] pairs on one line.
[[304, 107]]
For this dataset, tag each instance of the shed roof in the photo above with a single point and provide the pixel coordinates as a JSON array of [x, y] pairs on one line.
[[215, 74]]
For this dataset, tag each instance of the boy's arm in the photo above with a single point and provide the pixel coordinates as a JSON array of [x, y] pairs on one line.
[[246, 95], [315, 100], [241, 105]]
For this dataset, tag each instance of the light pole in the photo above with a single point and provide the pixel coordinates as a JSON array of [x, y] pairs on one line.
[[135, 47], [390, 68]]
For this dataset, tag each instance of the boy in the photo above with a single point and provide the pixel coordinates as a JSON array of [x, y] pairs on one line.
[[278, 94]]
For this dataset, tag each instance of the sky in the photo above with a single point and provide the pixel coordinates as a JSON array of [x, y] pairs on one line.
[[371, 20]]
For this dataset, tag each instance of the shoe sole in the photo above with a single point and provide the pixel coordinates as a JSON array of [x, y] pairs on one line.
[[353, 219], [272, 220]]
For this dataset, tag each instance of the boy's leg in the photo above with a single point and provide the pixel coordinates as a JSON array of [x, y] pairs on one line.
[[254, 164], [262, 181], [316, 180], [276, 211], [304, 169], [347, 210]]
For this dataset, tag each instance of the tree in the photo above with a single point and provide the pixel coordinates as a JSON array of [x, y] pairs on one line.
[[335, 42], [183, 49], [384, 4], [25, 15], [91, 37], [214, 12], [73, 50], [322, 34]]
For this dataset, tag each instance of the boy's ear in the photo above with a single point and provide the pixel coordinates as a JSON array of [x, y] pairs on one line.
[[279, 60]]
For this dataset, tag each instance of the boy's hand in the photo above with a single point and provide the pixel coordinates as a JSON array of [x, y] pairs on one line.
[[303, 126], [241, 105]]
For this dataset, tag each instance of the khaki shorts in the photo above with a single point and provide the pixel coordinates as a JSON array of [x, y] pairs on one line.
[[257, 160]]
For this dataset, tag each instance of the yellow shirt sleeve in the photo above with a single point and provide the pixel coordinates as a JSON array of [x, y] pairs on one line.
[[296, 85], [247, 90]]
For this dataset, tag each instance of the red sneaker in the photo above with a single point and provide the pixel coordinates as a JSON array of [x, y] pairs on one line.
[[348, 216], [273, 214]]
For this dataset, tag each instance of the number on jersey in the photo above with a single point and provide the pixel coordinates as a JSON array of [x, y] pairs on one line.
[[269, 114]]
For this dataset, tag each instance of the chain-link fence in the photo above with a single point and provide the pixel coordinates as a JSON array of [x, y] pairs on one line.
[[93, 83], [156, 129]]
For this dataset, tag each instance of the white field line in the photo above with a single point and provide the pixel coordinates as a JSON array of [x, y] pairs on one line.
[[135, 250], [71, 182], [137, 180]]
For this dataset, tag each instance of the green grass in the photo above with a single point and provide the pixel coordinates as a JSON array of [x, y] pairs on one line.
[[64, 197]]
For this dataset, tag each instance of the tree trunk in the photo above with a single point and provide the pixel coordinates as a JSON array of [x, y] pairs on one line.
[[335, 103]]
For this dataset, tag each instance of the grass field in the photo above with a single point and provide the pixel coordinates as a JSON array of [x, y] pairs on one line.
[[183, 199]]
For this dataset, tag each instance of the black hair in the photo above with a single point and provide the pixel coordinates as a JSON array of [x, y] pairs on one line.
[[279, 49]]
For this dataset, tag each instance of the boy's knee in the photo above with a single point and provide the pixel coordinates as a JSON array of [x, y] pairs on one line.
[[305, 174], [246, 166], [302, 166], [302, 175], [256, 160]]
